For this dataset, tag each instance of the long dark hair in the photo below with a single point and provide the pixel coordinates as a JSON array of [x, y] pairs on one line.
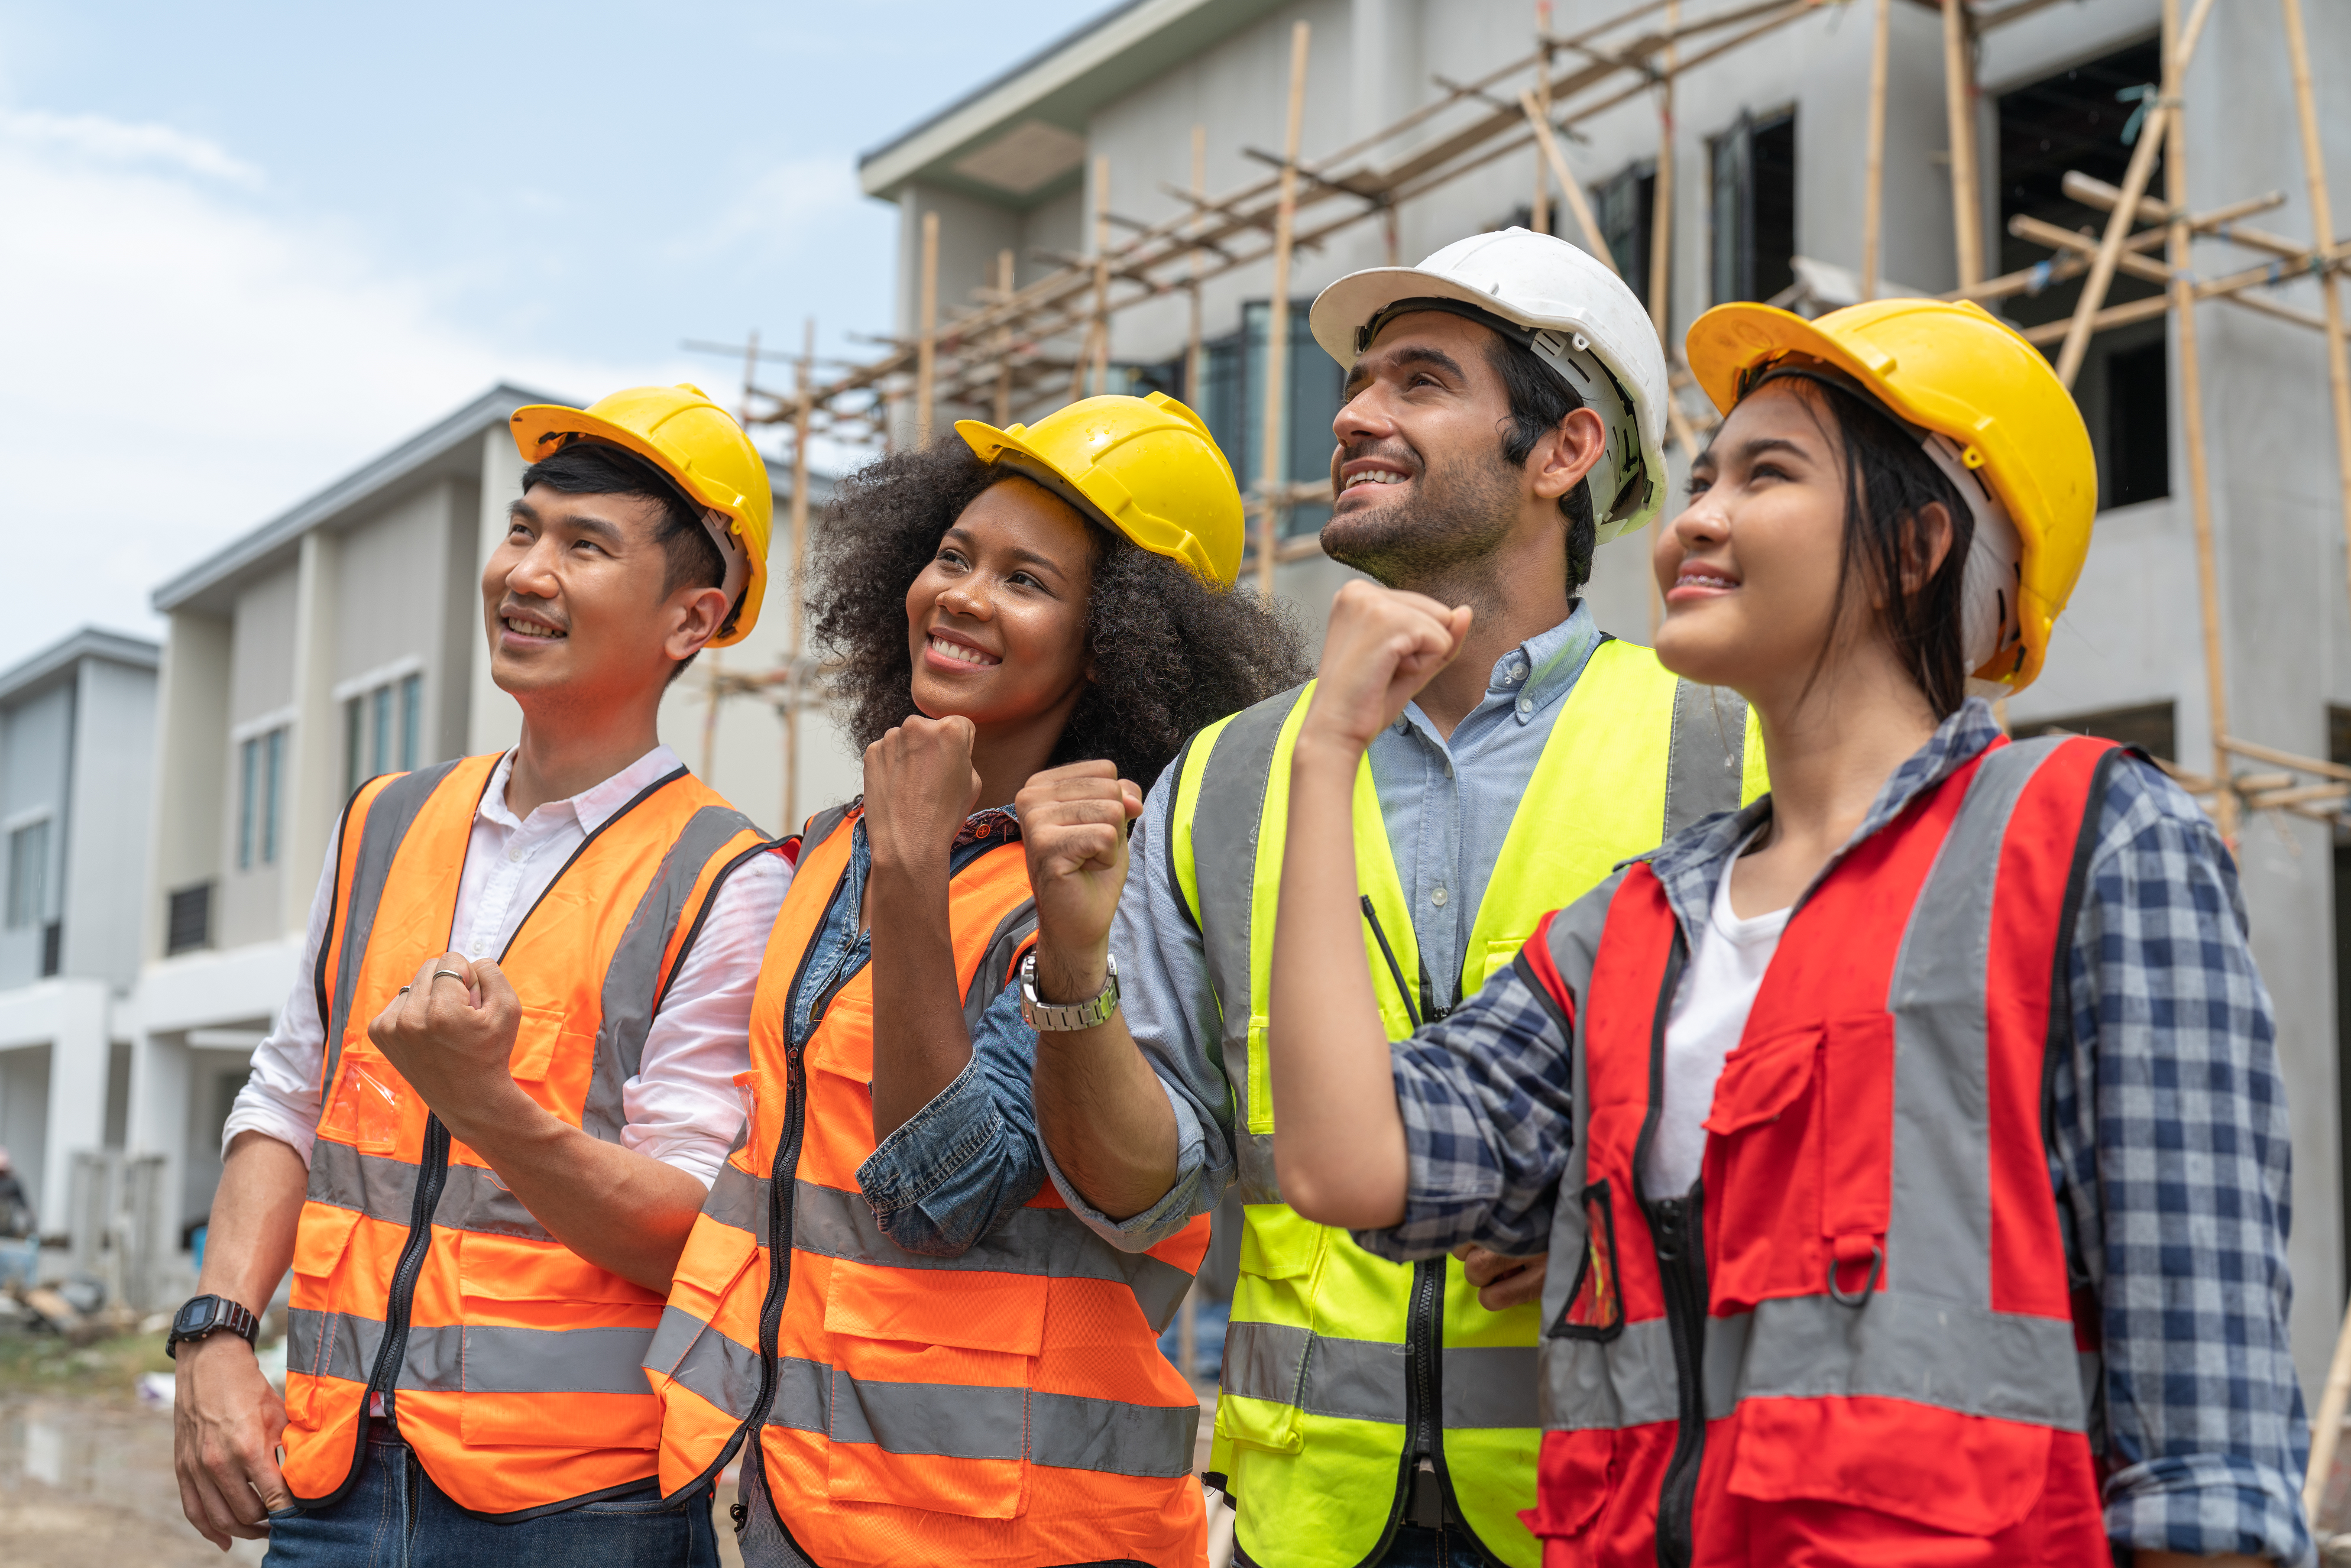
[[1889, 482], [1170, 653]]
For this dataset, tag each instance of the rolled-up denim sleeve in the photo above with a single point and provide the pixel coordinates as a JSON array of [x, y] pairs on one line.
[[955, 1169], [1170, 1006]]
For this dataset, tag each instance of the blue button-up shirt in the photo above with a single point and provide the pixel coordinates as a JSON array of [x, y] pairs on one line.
[[2168, 1150]]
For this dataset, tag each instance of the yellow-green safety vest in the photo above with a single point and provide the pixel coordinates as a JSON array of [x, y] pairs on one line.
[[1334, 1359]]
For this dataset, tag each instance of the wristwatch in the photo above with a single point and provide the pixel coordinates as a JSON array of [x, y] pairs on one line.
[[1058, 1016], [202, 1315]]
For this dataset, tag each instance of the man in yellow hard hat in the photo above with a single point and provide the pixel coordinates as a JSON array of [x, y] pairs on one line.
[[501, 1089]]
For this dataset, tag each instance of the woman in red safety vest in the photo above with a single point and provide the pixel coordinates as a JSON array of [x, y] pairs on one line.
[[1910, 1147], [902, 1383]]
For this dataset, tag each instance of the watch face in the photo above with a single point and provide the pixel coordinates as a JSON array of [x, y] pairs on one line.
[[196, 1314]]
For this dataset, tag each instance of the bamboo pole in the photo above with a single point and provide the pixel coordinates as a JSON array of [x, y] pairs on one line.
[[2191, 398], [1959, 105], [1661, 208], [1873, 194], [1277, 325], [2154, 131], [1194, 363], [1570, 189], [1539, 210], [1100, 374], [927, 351], [2321, 241], [803, 385], [1007, 277]]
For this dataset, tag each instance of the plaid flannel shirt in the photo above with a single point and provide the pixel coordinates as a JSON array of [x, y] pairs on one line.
[[2170, 1157]]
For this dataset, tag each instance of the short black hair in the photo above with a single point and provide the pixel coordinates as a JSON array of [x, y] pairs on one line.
[[1171, 653], [1540, 400], [599, 468]]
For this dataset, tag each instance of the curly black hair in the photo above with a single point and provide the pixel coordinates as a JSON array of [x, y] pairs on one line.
[[1170, 653]]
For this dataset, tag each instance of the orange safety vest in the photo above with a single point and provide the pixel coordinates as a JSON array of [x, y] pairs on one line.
[[1006, 1408], [509, 1363], [1856, 1339]]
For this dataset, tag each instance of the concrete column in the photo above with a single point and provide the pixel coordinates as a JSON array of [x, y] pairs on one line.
[[493, 721], [314, 783], [190, 771], [160, 1086], [79, 1056]]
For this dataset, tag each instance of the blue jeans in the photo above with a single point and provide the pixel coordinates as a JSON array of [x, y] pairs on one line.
[[1414, 1546], [395, 1517]]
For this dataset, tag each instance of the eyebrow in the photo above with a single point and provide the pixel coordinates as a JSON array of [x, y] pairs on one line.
[[595, 528], [1411, 354], [962, 536]]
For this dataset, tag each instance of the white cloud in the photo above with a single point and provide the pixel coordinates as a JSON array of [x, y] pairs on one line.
[[783, 207], [182, 363], [100, 139]]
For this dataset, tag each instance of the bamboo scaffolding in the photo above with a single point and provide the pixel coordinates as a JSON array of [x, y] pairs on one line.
[[1277, 325], [1570, 189], [1661, 205], [1960, 109], [1194, 363], [803, 405], [1873, 192], [1007, 279], [927, 347], [1539, 210]]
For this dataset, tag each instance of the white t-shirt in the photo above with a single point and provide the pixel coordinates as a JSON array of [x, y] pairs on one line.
[[1711, 1007]]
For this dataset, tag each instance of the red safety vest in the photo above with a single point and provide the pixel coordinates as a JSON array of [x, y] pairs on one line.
[[509, 1363], [1005, 1408], [1855, 1340]]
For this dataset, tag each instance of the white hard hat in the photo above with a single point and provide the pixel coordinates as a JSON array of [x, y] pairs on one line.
[[1576, 316]]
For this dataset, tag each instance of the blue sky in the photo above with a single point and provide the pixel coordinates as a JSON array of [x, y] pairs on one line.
[[248, 246]]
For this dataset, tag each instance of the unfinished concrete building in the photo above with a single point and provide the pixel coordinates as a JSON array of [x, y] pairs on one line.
[[1048, 245]]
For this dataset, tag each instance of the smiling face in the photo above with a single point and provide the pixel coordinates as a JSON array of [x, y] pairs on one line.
[[1750, 571], [996, 622], [574, 604]]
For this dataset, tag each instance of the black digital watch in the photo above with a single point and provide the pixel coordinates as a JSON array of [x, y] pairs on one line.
[[205, 1315]]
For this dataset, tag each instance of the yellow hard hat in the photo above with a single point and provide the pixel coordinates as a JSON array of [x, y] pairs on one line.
[[698, 444], [1144, 465], [1952, 369]]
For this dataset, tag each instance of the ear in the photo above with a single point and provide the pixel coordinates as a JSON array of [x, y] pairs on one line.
[[1925, 545], [698, 616], [1564, 456]]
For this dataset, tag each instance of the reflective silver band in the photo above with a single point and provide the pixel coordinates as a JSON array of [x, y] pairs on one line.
[[381, 1187], [1705, 758], [1364, 1380], [949, 1420], [1054, 1242], [471, 1358]]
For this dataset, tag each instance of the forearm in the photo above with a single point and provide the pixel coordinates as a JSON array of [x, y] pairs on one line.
[[1339, 1139], [615, 1208], [1099, 1108], [921, 1042], [249, 1238]]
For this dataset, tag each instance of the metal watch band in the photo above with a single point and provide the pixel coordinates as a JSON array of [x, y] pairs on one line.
[[201, 1316], [1055, 1016]]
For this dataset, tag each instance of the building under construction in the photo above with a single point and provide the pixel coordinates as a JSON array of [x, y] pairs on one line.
[[2140, 185]]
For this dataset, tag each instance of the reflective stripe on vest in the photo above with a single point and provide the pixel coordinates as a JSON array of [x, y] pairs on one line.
[[1009, 1403], [505, 1358], [1312, 1427], [1887, 1322]]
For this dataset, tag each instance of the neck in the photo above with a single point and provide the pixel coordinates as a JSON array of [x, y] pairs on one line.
[[1517, 593], [569, 746], [1831, 749], [1006, 755]]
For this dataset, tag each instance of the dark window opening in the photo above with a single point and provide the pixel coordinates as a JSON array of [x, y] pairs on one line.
[[2071, 120], [1625, 206], [2153, 727], [2137, 456], [189, 919], [1233, 402], [53, 947], [1753, 191]]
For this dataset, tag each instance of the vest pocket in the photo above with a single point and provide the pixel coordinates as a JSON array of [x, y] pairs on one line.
[[1762, 1172], [365, 1112], [1594, 1309], [319, 1243], [1259, 1112], [1966, 1475], [928, 1403]]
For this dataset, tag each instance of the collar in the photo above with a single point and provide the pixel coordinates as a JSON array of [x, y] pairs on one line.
[[1690, 865], [593, 807], [1532, 676]]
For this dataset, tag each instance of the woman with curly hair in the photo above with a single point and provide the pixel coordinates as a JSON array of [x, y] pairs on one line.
[[938, 1362]]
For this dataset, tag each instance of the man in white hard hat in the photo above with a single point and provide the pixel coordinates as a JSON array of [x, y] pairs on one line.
[[1504, 405]]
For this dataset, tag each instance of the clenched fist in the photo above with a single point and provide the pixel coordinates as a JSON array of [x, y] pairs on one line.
[[920, 786], [1073, 824], [1383, 645]]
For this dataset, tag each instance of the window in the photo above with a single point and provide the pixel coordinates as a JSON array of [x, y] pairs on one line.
[[28, 875], [1753, 196], [2152, 727], [2074, 120], [1625, 206], [188, 918], [1234, 396], [381, 730], [260, 795]]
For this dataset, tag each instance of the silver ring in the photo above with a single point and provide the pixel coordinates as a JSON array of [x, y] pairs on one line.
[[403, 990], [451, 973]]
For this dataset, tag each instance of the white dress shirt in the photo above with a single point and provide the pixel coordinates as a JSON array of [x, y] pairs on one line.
[[682, 1108]]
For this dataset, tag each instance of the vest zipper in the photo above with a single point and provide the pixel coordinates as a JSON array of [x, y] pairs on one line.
[[432, 1174], [1675, 1226]]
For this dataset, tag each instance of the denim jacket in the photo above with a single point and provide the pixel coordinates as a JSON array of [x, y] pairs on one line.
[[969, 1157]]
